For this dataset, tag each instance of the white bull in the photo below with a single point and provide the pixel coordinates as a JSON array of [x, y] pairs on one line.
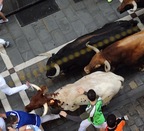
[[105, 84]]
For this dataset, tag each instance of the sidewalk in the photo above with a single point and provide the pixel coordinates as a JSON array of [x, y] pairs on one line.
[[70, 22]]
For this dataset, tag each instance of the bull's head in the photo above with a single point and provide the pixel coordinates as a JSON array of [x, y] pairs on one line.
[[127, 5], [40, 99], [96, 61], [53, 69]]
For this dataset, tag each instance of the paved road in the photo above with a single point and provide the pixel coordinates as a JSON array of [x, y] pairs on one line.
[[71, 21]]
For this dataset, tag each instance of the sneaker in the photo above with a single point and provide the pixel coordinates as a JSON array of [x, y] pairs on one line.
[[7, 44], [109, 1], [3, 21], [126, 118], [29, 86]]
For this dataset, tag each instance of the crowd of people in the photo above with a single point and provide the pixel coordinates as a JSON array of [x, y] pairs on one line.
[[22, 121], [94, 115]]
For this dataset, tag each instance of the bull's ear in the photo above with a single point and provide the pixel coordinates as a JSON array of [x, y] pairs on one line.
[[53, 54], [44, 89]]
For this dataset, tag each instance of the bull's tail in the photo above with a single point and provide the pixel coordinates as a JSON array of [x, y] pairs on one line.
[[122, 81], [47, 54]]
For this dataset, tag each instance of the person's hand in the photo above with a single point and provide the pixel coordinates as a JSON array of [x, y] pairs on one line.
[[80, 90], [63, 113], [3, 115]]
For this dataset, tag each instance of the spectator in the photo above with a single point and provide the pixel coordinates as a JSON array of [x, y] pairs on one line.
[[23, 128], [115, 124], [93, 114], [10, 91], [4, 19], [26, 128], [4, 43], [21, 120]]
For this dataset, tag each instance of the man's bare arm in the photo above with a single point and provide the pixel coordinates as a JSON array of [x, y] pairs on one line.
[[1, 1], [3, 115]]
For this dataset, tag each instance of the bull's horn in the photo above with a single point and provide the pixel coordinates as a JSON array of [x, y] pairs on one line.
[[134, 6], [46, 54], [45, 109], [121, 1], [57, 70], [92, 47], [107, 66], [35, 86]]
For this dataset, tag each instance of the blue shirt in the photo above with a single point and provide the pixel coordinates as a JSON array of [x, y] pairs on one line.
[[25, 118]]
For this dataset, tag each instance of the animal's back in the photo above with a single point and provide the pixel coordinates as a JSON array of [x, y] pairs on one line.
[[92, 81], [104, 83]]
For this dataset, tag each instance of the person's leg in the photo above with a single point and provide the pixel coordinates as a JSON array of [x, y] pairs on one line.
[[2, 81], [10, 91], [102, 127], [3, 16], [49, 117], [4, 43], [4, 19], [83, 125]]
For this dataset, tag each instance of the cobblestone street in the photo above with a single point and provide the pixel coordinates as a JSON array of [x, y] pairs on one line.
[[67, 20]]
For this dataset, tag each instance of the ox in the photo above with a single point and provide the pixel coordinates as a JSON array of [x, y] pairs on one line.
[[130, 5], [106, 85], [54, 68], [126, 52]]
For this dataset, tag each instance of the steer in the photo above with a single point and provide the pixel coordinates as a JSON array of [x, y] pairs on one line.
[[74, 56], [126, 52], [130, 5], [105, 84]]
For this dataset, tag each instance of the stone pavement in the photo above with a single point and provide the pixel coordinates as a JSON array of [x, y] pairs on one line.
[[22, 62]]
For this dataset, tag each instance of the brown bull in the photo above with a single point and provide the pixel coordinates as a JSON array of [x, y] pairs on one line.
[[126, 52], [130, 5]]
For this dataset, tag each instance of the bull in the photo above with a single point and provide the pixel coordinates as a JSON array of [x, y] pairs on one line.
[[128, 52], [130, 5], [73, 56], [105, 84]]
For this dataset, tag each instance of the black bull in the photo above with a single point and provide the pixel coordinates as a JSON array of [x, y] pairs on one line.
[[77, 63]]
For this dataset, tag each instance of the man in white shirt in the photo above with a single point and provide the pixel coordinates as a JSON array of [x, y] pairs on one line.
[[10, 91]]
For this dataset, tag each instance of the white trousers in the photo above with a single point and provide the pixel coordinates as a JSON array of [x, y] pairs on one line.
[[49, 117], [2, 41], [85, 123], [10, 90]]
